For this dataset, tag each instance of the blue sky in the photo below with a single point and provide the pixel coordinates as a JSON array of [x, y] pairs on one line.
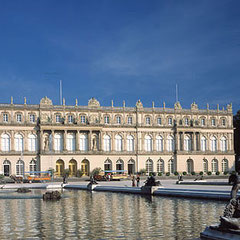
[[121, 50]]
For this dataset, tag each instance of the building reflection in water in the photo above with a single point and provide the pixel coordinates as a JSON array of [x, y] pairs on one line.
[[98, 215]]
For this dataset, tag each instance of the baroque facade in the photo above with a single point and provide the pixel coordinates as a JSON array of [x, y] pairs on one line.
[[47, 136]]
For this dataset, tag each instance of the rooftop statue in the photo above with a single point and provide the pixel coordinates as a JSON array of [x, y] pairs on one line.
[[45, 101], [194, 106], [93, 102], [139, 104], [177, 106]]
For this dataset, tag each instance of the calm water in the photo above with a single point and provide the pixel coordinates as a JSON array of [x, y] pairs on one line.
[[99, 215]]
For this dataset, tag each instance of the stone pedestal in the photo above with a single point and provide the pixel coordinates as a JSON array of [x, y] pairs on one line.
[[214, 233], [149, 190]]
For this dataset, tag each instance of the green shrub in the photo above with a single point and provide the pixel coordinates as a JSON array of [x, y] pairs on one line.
[[201, 173], [1, 176], [142, 171], [184, 173], [79, 173], [233, 172], [193, 173], [176, 173], [209, 173], [160, 174], [217, 173], [66, 172], [226, 173], [167, 173]]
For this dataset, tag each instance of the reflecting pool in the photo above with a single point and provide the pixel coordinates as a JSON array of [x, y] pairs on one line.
[[103, 215]]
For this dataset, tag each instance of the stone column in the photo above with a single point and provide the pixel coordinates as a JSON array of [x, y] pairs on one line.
[[193, 141], [112, 142], [218, 142], [164, 141], [77, 140], [228, 142], [100, 141], [183, 135], [154, 142], [25, 141], [89, 140], [177, 141], [52, 148], [65, 140], [41, 141], [12, 141], [124, 142], [208, 142]]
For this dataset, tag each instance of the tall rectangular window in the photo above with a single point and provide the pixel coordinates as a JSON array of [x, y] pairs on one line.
[[5, 117], [159, 121], [213, 122], [19, 118], [83, 119], [118, 120], [70, 119], [32, 118], [130, 120], [170, 121], [58, 118], [148, 120], [106, 120], [223, 122], [203, 121]]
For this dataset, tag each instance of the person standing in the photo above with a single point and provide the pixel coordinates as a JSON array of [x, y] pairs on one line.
[[138, 180], [133, 181]]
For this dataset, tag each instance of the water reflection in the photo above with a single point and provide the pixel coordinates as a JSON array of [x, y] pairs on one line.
[[98, 215]]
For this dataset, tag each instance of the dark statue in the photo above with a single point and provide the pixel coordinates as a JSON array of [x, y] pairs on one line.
[[151, 181], [52, 196], [230, 221]]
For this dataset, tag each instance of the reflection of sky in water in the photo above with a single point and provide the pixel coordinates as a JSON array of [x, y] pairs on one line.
[[98, 215]]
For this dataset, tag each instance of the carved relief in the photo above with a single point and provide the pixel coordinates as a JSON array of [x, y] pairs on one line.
[[93, 102], [45, 101]]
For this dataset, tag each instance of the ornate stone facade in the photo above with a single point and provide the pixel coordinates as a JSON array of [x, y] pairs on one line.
[[40, 137]]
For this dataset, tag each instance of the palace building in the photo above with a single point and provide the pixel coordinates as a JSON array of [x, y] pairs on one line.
[[157, 139]]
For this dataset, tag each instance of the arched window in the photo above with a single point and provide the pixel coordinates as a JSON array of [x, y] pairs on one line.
[[148, 143], [118, 143], [6, 168], [18, 141], [159, 143], [58, 142], [213, 144], [108, 165], [170, 166], [160, 166], [119, 164], [187, 143], [149, 166], [83, 142], [71, 142], [33, 167], [5, 142], [203, 144], [214, 165], [32, 142], [170, 143], [130, 143], [19, 168], [205, 165], [223, 144], [107, 143], [225, 165], [190, 167]]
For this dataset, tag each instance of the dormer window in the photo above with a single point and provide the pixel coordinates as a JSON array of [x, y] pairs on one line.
[[106, 120], [213, 121], [148, 121], [70, 119], [5, 117], [58, 118], [19, 118], [224, 122], [83, 119], [32, 118], [118, 120], [130, 121]]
